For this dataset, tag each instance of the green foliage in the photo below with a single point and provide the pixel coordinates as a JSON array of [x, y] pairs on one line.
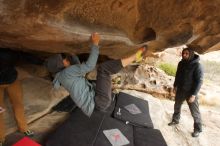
[[169, 69]]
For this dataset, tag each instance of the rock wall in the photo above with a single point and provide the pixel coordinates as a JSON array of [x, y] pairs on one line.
[[145, 78], [65, 25], [39, 97]]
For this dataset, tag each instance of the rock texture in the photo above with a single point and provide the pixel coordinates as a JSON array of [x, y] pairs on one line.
[[39, 97], [145, 78], [65, 25]]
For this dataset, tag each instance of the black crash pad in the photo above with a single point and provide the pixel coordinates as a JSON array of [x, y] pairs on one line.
[[141, 119], [148, 137], [80, 130], [111, 123]]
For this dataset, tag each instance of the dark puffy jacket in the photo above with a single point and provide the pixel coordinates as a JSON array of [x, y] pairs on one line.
[[189, 76]]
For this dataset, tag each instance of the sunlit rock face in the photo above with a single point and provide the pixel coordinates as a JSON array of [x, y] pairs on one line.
[[145, 78], [66, 25]]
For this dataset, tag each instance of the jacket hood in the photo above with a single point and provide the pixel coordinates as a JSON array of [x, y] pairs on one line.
[[195, 59]]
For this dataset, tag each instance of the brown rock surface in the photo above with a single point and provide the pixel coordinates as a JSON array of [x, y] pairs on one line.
[[65, 25], [39, 97]]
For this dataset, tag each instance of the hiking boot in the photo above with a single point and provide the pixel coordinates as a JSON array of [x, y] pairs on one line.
[[198, 127], [173, 123], [196, 133], [29, 133]]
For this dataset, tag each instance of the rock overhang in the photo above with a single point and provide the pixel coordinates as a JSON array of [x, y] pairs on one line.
[[65, 25]]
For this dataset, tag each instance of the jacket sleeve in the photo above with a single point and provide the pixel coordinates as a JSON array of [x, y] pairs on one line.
[[56, 83], [177, 77], [198, 79], [90, 64]]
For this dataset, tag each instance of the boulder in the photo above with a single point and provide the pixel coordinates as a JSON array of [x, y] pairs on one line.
[[65, 26]]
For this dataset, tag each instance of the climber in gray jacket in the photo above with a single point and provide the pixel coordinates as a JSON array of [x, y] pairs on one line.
[[84, 94]]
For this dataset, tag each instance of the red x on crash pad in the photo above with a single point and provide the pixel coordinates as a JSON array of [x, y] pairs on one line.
[[26, 142]]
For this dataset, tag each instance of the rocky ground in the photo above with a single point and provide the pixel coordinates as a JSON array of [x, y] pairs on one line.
[[161, 113]]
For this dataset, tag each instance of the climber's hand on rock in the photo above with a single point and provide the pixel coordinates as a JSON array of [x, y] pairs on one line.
[[95, 38]]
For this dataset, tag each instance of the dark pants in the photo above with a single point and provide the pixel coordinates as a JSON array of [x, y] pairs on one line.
[[181, 96], [103, 96]]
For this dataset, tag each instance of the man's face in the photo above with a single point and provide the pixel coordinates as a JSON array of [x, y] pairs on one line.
[[66, 63], [185, 55]]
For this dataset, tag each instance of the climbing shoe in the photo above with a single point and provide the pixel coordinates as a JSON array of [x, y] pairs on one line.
[[140, 54]]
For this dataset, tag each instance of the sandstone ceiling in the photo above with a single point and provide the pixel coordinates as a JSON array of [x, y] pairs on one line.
[[65, 25]]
